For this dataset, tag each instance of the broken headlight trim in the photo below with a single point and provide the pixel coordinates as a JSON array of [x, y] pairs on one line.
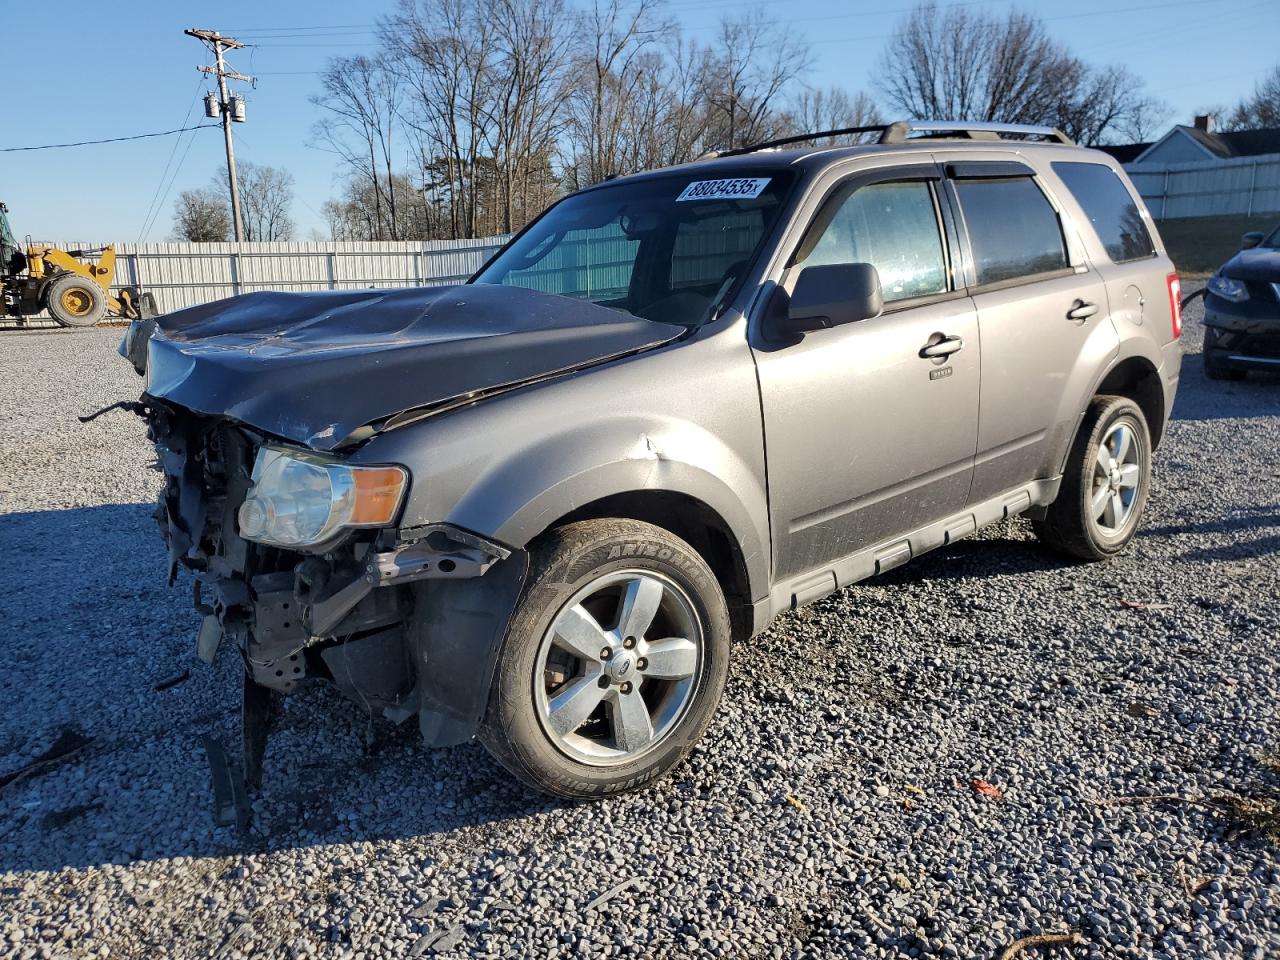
[[299, 499]]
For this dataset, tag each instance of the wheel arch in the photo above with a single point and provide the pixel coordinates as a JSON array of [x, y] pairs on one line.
[[693, 521], [1137, 378]]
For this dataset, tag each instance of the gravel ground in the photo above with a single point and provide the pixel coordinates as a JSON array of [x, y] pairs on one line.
[[830, 811]]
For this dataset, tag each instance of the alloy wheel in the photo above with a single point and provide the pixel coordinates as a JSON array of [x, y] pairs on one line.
[[617, 669], [1117, 478]]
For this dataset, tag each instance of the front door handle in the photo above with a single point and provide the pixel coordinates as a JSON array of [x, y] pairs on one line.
[[1082, 310], [941, 348]]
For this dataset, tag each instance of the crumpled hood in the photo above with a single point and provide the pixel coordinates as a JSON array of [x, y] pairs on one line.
[[316, 367], [1260, 263]]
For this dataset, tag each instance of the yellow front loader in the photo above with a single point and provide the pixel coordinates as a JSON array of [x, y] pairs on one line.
[[71, 284]]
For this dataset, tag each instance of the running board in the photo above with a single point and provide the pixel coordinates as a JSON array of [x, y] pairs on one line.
[[882, 557]]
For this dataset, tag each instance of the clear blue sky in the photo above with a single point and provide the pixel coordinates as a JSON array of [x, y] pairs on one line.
[[95, 70]]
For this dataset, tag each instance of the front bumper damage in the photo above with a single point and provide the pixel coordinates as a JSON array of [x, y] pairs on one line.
[[1244, 335], [403, 622]]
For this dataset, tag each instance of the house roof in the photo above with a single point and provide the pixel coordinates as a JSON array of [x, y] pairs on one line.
[[1252, 143], [1238, 143], [1125, 152]]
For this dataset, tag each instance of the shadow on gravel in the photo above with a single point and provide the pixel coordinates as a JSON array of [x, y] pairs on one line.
[[67, 532], [1245, 550], [1200, 398], [1262, 516], [979, 558]]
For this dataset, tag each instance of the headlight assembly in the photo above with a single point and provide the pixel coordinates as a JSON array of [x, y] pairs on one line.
[[299, 499], [1228, 288]]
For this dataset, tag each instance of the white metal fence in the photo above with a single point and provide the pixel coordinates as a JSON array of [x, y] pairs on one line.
[[184, 274], [1244, 185]]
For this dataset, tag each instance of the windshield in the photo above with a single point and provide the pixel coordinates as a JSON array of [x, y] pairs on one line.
[[671, 249], [1273, 241]]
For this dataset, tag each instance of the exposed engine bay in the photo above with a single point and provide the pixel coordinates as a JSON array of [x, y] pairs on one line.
[[366, 611]]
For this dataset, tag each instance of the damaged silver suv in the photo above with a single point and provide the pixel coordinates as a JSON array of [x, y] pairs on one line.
[[540, 508]]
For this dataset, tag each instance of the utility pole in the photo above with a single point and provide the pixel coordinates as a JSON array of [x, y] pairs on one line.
[[226, 108]]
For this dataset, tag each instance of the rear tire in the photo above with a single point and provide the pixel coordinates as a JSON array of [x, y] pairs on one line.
[[614, 662], [1105, 485], [74, 301]]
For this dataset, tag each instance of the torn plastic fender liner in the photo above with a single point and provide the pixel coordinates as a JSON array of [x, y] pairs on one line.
[[454, 637]]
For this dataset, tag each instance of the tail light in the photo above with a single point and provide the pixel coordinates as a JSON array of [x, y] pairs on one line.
[[1175, 303]]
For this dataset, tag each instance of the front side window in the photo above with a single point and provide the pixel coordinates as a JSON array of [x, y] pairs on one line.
[[1013, 229], [1110, 208], [894, 227], [668, 248]]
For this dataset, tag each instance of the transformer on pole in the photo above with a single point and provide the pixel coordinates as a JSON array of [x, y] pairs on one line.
[[229, 108]]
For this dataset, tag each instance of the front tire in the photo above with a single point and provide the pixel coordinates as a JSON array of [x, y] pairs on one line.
[[74, 301], [1105, 486], [614, 662]]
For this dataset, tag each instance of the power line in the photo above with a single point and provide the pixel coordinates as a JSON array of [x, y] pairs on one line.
[[146, 220], [267, 36], [86, 143], [164, 197]]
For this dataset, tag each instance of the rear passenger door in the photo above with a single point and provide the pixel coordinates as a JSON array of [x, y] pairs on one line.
[[1042, 319]]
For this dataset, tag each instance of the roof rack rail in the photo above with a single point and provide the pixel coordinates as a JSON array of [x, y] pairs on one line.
[[970, 130], [798, 138], [901, 130]]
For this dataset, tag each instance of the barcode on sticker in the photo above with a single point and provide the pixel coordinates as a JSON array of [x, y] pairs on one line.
[[741, 188]]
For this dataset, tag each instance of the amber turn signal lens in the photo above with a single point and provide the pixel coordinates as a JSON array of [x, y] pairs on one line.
[[378, 493]]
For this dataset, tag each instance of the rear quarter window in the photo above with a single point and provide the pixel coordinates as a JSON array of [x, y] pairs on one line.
[[1110, 208]]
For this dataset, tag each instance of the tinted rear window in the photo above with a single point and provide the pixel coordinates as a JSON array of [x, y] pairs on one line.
[[1110, 208], [1013, 229]]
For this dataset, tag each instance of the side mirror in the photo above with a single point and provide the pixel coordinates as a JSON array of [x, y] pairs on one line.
[[1251, 239], [831, 295]]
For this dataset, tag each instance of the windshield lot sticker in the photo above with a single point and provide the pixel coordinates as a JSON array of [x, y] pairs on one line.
[[743, 188]]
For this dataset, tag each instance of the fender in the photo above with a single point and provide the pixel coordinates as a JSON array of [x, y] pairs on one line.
[[522, 497], [1133, 345], [508, 468]]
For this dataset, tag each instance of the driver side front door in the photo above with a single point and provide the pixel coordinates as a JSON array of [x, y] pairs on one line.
[[865, 437]]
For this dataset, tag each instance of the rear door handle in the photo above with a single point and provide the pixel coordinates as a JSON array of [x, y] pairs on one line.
[[941, 348], [1082, 310]]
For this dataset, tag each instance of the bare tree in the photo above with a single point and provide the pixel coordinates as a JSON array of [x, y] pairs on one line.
[[645, 106], [355, 214], [752, 62], [966, 65], [1260, 110], [495, 106], [361, 100], [533, 55], [445, 50], [603, 120], [1094, 103], [832, 109], [266, 200], [962, 65], [202, 216]]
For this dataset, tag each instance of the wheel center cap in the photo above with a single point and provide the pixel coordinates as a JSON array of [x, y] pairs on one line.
[[621, 667]]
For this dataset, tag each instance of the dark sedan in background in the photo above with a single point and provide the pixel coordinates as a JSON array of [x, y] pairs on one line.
[[1242, 311]]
